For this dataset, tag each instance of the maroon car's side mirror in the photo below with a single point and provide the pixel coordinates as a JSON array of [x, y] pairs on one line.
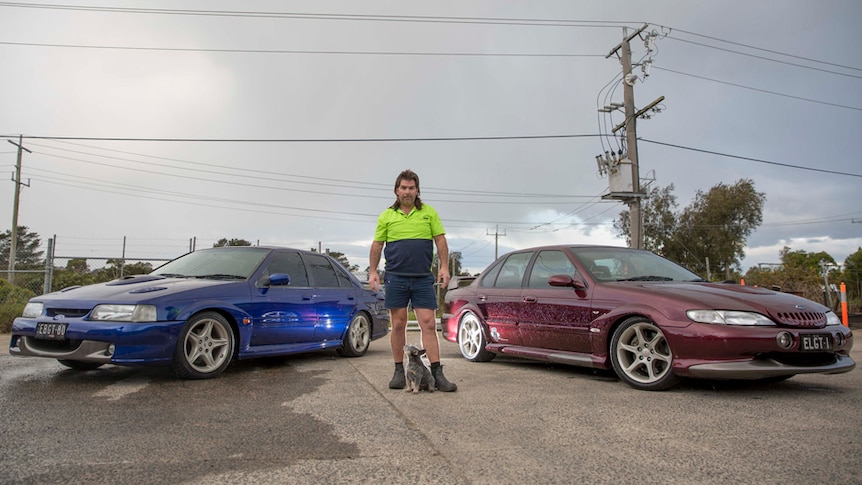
[[566, 280]]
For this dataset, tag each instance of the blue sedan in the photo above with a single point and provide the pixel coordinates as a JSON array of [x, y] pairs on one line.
[[202, 310]]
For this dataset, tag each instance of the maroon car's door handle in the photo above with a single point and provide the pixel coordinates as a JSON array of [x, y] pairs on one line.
[[530, 299]]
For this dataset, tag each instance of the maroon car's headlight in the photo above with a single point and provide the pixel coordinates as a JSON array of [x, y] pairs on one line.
[[832, 319], [729, 317]]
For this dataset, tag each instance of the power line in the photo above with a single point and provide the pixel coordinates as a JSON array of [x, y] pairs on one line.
[[751, 159], [767, 58], [332, 16], [758, 89], [303, 140], [248, 140], [785, 54], [268, 175], [515, 21], [293, 51]]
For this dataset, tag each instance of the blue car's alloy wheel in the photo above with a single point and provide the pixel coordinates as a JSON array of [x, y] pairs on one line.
[[357, 338], [204, 347]]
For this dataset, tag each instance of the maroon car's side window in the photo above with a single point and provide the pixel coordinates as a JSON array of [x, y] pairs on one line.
[[490, 275], [512, 272], [547, 264]]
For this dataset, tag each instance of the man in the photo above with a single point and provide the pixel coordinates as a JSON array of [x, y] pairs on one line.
[[409, 230]]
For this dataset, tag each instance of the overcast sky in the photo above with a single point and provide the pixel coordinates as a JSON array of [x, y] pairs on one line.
[[286, 122]]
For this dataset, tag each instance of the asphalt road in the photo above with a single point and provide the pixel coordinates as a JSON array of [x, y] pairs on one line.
[[319, 418]]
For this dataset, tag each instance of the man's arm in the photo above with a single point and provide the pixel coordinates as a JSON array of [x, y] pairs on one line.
[[373, 262], [443, 275]]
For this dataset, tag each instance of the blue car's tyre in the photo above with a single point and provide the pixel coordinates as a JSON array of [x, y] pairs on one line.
[[357, 338], [204, 347]]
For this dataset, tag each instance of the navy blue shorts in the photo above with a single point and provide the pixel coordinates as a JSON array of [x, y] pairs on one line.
[[416, 290]]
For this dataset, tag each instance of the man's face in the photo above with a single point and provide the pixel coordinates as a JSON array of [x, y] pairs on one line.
[[406, 193]]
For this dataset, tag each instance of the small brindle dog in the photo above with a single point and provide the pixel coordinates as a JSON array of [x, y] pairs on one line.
[[418, 376]]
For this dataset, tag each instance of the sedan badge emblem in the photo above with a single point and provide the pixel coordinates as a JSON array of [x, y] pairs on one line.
[[800, 307], [59, 316]]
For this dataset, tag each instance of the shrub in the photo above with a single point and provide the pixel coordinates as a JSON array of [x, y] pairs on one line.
[[12, 301]]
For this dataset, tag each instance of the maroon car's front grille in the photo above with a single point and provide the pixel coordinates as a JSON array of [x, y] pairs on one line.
[[802, 319]]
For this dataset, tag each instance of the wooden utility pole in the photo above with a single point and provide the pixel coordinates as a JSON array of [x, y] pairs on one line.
[[632, 142], [634, 196], [496, 235], [13, 240]]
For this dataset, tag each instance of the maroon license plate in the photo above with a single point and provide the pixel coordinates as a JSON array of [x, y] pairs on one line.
[[51, 331], [815, 343]]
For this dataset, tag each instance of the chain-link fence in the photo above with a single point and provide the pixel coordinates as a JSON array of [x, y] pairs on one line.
[[31, 278]]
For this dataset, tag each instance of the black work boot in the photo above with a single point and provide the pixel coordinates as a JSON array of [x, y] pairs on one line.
[[440, 380], [398, 380]]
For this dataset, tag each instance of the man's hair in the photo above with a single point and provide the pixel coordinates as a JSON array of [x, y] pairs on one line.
[[408, 175]]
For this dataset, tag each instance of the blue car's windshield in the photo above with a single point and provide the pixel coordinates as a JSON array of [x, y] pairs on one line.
[[219, 263]]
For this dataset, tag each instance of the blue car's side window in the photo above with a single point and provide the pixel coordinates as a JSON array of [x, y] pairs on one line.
[[322, 273], [290, 263]]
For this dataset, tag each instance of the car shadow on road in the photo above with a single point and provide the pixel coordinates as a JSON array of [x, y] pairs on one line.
[[791, 384]]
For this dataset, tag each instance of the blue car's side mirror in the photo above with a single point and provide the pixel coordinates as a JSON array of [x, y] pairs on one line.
[[279, 279]]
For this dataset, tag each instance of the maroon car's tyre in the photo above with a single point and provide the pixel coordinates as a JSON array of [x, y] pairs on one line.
[[204, 347], [78, 365], [641, 355], [471, 339], [357, 338]]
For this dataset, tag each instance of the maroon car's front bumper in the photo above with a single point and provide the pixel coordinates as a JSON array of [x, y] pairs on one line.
[[736, 352]]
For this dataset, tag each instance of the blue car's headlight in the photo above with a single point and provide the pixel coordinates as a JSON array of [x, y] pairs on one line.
[[124, 313], [33, 310], [728, 317]]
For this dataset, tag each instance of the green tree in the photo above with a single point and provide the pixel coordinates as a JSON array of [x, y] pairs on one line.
[[800, 272], [852, 278], [455, 268], [341, 258], [715, 226], [224, 242], [28, 255], [13, 298], [659, 220], [115, 268], [76, 273]]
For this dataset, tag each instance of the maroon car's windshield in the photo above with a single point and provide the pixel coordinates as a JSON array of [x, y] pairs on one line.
[[624, 264]]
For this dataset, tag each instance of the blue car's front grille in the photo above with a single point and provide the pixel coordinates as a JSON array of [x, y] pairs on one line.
[[67, 312]]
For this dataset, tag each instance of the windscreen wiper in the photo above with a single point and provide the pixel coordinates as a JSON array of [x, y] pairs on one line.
[[647, 278], [220, 276]]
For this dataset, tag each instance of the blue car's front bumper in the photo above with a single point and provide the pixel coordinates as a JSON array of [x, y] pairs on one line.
[[122, 343]]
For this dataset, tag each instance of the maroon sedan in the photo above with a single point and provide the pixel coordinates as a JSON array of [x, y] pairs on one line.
[[648, 318]]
